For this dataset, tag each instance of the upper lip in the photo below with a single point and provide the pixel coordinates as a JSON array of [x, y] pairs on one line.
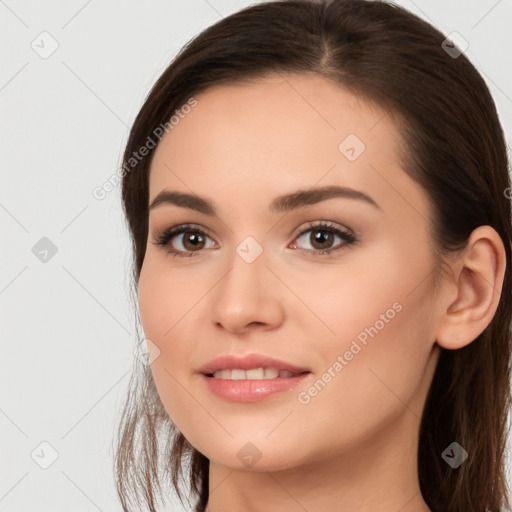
[[247, 362]]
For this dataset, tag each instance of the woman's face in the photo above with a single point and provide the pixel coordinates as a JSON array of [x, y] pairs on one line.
[[252, 278]]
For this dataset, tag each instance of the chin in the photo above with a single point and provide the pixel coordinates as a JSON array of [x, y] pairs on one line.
[[252, 453]]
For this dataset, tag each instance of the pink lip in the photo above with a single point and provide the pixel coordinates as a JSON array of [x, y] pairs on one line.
[[247, 362], [250, 390]]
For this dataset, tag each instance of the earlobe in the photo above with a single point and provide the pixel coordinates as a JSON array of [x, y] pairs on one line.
[[478, 275]]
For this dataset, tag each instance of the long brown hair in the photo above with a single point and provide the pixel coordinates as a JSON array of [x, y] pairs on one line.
[[453, 146]]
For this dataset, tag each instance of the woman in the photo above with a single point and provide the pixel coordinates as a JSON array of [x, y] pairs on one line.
[[321, 224]]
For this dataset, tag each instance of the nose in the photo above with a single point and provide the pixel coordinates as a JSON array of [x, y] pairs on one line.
[[248, 297]]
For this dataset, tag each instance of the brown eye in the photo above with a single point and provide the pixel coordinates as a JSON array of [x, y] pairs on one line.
[[184, 240], [322, 237], [192, 241]]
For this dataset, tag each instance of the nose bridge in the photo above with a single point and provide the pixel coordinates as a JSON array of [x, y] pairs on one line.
[[247, 294], [241, 288]]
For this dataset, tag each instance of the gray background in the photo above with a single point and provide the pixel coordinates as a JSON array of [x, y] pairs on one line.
[[67, 324]]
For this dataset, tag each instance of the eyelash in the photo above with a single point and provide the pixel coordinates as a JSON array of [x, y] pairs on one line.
[[163, 239]]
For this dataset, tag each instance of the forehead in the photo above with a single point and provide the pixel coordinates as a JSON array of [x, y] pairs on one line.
[[278, 112], [275, 134]]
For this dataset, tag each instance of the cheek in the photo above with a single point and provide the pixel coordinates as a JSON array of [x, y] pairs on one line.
[[167, 301], [380, 300], [367, 297], [379, 352], [165, 298]]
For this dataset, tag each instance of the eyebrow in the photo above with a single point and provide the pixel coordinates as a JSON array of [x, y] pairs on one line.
[[280, 204]]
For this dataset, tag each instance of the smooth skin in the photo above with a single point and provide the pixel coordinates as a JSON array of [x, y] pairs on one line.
[[353, 445]]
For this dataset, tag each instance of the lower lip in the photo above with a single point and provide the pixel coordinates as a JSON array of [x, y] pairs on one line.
[[251, 390]]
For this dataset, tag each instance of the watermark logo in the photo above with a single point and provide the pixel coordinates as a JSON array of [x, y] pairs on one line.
[[249, 249], [249, 455], [44, 250], [351, 147], [44, 45], [454, 455], [44, 455], [146, 351], [454, 45]]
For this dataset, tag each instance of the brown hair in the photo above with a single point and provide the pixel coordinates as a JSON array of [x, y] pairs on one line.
[[454, 148]]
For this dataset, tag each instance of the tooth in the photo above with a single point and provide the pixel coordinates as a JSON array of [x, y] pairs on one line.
[[238, 374], [256, 373], [271, 373], [222, 374]]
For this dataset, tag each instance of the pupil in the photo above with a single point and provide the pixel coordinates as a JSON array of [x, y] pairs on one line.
[[321, 237], [193, 239]]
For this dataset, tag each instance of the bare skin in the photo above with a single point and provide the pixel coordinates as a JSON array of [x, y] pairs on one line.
[[352, 445]]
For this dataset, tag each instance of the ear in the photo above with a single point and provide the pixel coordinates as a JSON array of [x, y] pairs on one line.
[[477, 281]]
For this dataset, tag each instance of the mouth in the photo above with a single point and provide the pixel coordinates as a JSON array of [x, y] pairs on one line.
[[251, 377]]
